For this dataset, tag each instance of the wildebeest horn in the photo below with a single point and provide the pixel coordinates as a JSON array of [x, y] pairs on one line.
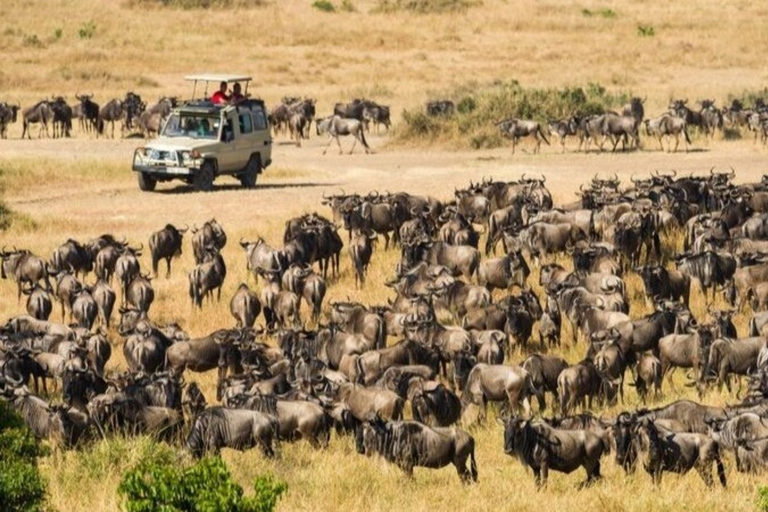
[[732, 174]]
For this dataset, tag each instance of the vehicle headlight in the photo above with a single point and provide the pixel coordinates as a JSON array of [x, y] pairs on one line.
[[184, 156]]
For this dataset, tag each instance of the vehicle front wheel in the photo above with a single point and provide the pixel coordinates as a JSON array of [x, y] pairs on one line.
[[146, 182], [203, 179], [251, 172]]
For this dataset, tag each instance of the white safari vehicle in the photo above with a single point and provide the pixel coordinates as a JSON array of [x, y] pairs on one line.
[[201, 141]]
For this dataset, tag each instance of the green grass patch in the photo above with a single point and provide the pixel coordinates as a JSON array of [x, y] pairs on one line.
[[480, 107], [426, 6]]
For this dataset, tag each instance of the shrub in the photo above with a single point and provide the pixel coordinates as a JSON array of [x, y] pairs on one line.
[[762, 498], [480, 107], [197, 4], [21, 486], [206, 485], [426, 6], [323, 5], [87, 30]]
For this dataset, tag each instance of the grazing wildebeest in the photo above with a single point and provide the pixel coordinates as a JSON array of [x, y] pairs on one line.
[[410, 443], [516, 129], [541, 447], [335, 126], [165, 244], [216, 428], [41, 113]]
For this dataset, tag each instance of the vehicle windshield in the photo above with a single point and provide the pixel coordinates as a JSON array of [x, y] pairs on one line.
[[196, 126]]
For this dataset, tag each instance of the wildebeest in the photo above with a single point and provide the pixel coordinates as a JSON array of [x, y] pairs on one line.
[[244, 306], [516, 129], [541, 447], [360, 251], [211, 233], [39, 304], [409, 443], [498, 383], [679, 452], [165, 244], [41, 113], [23, 267], [544, 371], [8, 115], [336, 126], [207, 277], [216, 428]]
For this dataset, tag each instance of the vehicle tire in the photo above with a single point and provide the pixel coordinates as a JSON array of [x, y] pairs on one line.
[[146, 182], [251, 172], [203, 179]]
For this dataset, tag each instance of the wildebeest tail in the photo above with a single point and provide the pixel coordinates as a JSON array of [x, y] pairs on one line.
[[360, 378], [473, 463], [543, 135]]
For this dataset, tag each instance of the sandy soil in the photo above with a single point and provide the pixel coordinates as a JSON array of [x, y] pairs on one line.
[[299, 177]]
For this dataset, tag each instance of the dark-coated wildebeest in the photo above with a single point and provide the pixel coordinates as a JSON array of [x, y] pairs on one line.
[[432, 400], [140, 294], [165, 244], [62, 117], [39, 304], [244, 306], [665, 283], [73, 256], [541, 447], [211, 233], [216, 428], [679, 453], [41, 113], [620, 128], [710, 268], [503, 272], [360, 251], [8, 115], [105, 298], [109, 113], [516, 129], [737, 356], [263, 260], [89, 112], [23, 267], [336, 126], [409, 444], [544, 371], [297, 419], [207, 277]]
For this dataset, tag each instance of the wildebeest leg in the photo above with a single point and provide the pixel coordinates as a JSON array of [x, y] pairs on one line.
[[330, 139], [168, 262]]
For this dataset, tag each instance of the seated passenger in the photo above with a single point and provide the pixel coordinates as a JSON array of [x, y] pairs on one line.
[[237, 95], [221, 95]]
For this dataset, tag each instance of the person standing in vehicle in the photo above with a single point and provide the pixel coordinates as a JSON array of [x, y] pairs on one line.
[[237, 96], [221, 95]]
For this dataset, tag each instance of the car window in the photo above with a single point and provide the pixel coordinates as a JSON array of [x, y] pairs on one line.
[[259, 120], [245, 123]]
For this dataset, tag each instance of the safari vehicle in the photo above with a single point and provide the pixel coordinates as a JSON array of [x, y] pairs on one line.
[[201, 141]]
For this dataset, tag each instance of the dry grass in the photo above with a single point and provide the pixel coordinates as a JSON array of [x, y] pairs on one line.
[[82, 188]]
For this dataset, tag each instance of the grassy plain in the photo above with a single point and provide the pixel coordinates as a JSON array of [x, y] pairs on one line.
[[81, 188]]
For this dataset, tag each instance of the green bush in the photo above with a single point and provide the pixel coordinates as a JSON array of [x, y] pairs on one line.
[[87, 30], [324, 5], [197, 4], [762, 498], [21, 486], [426, 6], [480, 107], [204, 486]]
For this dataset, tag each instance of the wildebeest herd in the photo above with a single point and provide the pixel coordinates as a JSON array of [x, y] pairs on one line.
[[463, 327], [293, 117]]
